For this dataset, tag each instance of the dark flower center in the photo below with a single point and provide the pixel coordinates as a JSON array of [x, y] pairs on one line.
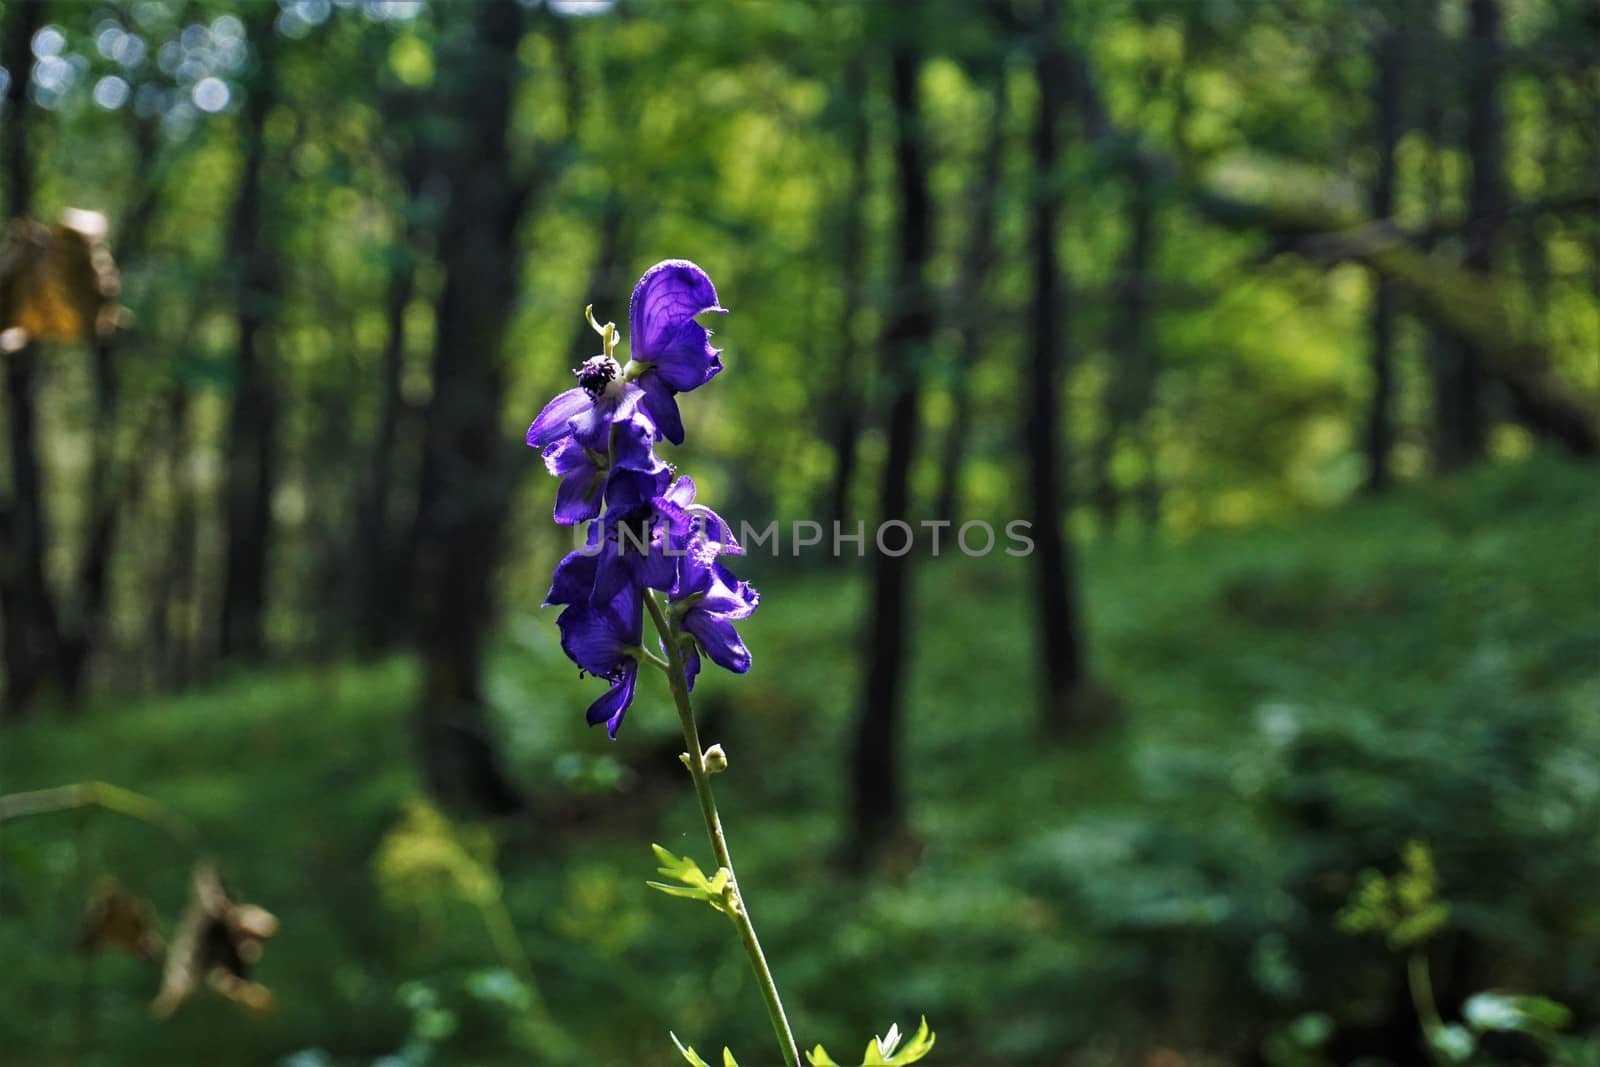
[[596, 373]]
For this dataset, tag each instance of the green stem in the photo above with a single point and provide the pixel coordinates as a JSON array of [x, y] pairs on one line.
[[719, 843], [1421, 983], [98, 795]]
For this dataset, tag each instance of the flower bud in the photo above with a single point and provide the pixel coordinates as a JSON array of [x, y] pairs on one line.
[[716, 760]]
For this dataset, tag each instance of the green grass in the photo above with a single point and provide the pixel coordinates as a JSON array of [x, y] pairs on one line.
[[1297, 701]]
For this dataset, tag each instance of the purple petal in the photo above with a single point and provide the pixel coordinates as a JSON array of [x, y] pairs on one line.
[[578, 498], [729, 597], [628, 488], [612, 574], [681, 491], [589, 637], [691, 665], [719, 640], [663, 409], [556, 418], [613, 704], [661, 324], [656, 570], [566, 456], [633, 445], [573, 580]]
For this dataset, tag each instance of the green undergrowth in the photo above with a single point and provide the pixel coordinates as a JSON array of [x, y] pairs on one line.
[[1295, 703]]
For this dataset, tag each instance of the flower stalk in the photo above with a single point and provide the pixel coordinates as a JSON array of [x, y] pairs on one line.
[[696, 762]]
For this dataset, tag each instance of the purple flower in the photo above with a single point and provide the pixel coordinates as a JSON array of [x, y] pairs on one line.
[[633, 551], [599, 439], [708, 599], [602, 639], [603, 431], [689, 522], [601, 403], [663, 333]]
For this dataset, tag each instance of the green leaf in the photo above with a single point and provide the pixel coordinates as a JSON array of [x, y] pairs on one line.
[[727, 1057], [885, 1051], [1511, 1013], [694, 885], [688, 1053]]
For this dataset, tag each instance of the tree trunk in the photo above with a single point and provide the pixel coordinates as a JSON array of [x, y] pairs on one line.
[[877, 801], [968, 303], [384, 585], [32, 646], [1063, 664], [844, 402], [1131, 378], [250, 456], [1387, 121], [112, 484], [1462, 426], [461, 499]]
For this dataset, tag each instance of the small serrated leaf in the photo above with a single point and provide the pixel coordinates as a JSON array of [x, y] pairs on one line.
[[687, 892], [818, 1057]]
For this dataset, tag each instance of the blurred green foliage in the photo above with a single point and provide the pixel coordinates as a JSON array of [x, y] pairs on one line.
[[1303, 701]]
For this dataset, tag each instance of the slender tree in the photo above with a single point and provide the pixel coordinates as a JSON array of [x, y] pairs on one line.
[[877, 799], [32, 632], [381, 563], [461, 499], [1131, 377], [844, 404], [250, 453], [1462, 429], [1063, 660], [1388, 67], [967, 302]]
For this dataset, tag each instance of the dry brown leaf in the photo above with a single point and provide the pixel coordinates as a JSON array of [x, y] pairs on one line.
[[118, 920], [57, 283], [216, 942]]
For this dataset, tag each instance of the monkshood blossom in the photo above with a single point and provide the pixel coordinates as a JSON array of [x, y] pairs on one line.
[[599, 438], [666, 338], [707, 599], [652, 549]]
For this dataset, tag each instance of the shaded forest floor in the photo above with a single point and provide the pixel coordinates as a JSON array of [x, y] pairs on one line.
[[1299, 701]]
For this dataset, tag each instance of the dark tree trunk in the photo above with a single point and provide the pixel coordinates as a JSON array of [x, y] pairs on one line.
[[1379, 438], [384, 583], [877, 801], [111, 485], [461, 499], [1063, 664], [1462, 424], [968, 303], [250, 456], [32, 646], [172, 597], [845, 400], [1131, 380]]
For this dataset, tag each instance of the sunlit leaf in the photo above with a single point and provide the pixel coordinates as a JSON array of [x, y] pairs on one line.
[[694, 885], [885, 1051], [1509, 1012], [688, 1053]]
